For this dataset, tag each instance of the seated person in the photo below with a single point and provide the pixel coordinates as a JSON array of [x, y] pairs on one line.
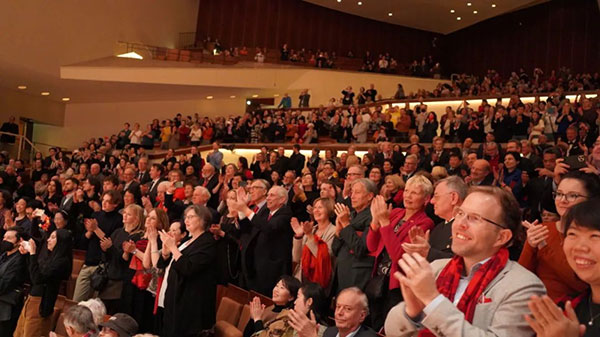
[[284, 295], [581, 231], [479, 291]]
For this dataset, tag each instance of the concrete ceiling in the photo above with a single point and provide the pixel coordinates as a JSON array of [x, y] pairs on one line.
[[429, 15]]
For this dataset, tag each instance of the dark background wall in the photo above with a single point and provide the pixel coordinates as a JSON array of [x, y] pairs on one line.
[[271, 23], [548, 36]]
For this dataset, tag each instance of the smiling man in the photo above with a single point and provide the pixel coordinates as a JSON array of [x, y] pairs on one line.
[[478, 292]]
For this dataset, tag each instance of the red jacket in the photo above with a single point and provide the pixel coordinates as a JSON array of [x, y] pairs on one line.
[[385, 237]]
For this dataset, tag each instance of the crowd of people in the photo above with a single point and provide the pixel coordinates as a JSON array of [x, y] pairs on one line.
[[453, 234], [451, 239]]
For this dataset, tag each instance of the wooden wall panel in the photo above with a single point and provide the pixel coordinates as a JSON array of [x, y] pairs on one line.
[[550, 35], [270, 23]]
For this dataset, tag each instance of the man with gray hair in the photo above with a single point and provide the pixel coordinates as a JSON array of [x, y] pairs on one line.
[[266, 238], [79, 322], [436, 244], [351, 309], [354, 264]]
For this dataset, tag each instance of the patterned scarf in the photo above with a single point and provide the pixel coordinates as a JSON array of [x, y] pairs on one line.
[[447, 282]]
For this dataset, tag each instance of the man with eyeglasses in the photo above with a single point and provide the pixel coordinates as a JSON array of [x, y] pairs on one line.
[[479, 292], [266, 237]]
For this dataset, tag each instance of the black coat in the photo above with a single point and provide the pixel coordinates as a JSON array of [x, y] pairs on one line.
[[213, 202], [440, 240], [191, 289], [266, 248], [12, 278], [363, 331], [296, 162]]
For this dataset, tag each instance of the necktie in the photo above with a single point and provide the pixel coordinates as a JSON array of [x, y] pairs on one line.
[[255, 209], [270, 216]]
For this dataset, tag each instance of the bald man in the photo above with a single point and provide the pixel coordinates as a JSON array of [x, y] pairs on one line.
[[481, 174]]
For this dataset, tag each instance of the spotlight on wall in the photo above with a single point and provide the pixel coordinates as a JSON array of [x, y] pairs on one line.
[[390, 14], [458, 18], [131, 55], [468, 4], [475, 12], [66, 99], [254, 96], [493, 5], [452, 11], [232, 96], [45, 93], [248, 102], [360, 3], [22, 87], [209, 97]]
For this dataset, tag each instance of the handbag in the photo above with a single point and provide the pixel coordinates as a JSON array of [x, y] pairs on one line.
[[375, 288], [99, 278]]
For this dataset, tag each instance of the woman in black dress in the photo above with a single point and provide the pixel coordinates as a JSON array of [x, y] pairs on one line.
[[48, 267], [190, 277]]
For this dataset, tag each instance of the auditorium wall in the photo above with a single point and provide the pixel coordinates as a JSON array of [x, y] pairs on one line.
[[550, 35]]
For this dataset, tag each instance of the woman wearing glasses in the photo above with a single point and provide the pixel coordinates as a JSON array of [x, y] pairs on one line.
[[542, 253]]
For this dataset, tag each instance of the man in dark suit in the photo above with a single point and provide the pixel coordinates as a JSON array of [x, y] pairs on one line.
[[438, 156], [196, 160], [13, 269], [283, 162], [354, 264], [297, 160], [130, 184], [539, 188], [266, 239], [455, 166], [351, 309], [436, 244], [481, 174], [143, 176], [387, 152], [210, 180], [156, 177]]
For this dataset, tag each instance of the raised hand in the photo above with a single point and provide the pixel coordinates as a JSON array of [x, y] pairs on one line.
[[105, 243], [419, 242], [418, 277], [304, 326], [296, 227], [537, 234], [342, 213], [256, 309], [548, 320]]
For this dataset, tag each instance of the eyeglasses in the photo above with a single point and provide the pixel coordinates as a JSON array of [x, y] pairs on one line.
[[472, 218], [570, 197]]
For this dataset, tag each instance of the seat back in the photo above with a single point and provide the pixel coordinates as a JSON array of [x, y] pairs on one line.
[[173, 55], [229, 311], [60, 325], [185, 55], [244, 318], [237, 294], [267, 301]]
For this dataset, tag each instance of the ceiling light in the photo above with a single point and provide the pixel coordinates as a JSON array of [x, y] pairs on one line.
[[248, 102], [66, 99], [458, 18], [209, 97], [452, 11], [22, 87], [255, 95], [45, 93], [339, 0], [468, 4], [390, 14], [475, 12], [276, 95], [131, 55], [360, 3], [493, 5], [232, 96]]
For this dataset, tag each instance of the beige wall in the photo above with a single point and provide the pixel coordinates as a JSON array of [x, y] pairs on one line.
[[42, 110]]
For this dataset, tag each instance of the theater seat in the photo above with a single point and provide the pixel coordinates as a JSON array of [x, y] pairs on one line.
[[173, 55], [244, 318], [60, 325], [229, 310], [228, 317], [185, 56]]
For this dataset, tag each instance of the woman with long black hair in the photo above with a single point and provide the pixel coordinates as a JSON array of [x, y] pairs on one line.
[[48, 267]]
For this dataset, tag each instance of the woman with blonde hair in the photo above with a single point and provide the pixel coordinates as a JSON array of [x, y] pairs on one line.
[[439, 173], [393, 190], [114, 256]]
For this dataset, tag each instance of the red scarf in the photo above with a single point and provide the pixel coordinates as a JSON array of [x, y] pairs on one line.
[[447, 282], [141, 279], [317, 269]]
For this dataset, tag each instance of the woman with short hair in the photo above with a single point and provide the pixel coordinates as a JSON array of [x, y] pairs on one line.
[[190, 276]]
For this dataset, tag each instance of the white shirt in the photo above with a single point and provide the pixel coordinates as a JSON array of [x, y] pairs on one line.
[[463, 283], [165, 284], [352, 334]]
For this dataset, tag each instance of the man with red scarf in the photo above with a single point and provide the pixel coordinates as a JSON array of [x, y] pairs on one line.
[[478, 292]]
